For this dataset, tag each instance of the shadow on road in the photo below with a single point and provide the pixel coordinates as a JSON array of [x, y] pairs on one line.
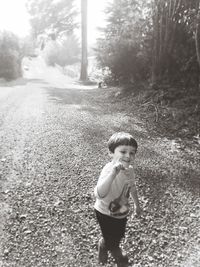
[[20, 82], [158, 181], [67, 96]]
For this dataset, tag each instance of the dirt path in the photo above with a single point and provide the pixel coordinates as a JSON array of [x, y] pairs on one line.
[[53, 145]]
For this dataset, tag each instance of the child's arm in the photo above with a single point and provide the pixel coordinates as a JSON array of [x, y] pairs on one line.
[[136, 200], [106, 178], [131, 177]]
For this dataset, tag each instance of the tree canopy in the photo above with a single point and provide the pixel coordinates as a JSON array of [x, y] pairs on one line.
[[52, 17], [156, 40]]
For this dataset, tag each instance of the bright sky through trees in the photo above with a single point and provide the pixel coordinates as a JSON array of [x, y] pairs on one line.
[[14, 17], [96, 17]]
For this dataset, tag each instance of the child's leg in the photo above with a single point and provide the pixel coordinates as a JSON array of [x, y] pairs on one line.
[[102, 248], [102, 251], [113, 231]]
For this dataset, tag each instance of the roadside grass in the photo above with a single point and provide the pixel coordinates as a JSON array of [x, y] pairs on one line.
[[168, 112]]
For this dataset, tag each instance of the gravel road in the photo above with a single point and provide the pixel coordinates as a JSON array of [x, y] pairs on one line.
[[53, 145], [46, 157]]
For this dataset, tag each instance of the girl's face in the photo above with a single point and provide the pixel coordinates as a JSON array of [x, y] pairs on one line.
[[124, 154]]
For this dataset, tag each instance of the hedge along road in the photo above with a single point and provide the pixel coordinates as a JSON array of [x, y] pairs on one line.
[[53, 145]]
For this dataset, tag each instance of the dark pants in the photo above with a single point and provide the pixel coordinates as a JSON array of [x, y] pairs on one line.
[[113, 230]]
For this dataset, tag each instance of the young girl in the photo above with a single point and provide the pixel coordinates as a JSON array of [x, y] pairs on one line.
[[116, 181]]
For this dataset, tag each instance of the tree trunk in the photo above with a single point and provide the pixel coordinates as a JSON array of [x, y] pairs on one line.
[[197, 38], [154, 44], [197, 42], [84, 60], [164, 33]]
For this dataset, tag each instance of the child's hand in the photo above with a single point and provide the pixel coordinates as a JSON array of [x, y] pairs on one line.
[[118, 167], [129, 172]]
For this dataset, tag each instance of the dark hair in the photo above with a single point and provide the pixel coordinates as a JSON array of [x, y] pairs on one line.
[[121, 139]]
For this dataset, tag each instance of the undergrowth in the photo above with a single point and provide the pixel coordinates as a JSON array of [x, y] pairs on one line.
[[173, 112]]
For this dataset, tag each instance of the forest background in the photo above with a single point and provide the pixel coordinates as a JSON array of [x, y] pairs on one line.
[[149, 49]]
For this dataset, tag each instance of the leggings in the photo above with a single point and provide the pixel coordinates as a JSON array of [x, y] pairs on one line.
[[113, 230]]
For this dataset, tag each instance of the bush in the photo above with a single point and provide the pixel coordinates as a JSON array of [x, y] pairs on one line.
[[124, 58], [10, 56]]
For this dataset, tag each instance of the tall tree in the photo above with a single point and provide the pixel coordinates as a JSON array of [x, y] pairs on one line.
[[84, 59], [197, 34], [122, 47], [51, 17], [154, 39], [166, 23], [173, 42]]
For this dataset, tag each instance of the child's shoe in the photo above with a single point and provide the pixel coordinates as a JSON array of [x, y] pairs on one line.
[[120, 258], [102, 252]]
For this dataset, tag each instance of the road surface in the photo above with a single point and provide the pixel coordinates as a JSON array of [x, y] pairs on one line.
[[53, 135]]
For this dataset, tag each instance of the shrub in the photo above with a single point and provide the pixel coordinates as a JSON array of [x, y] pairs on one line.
[[10, 56], [124, 58]]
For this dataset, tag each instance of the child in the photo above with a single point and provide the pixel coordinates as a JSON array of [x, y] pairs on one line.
[[116, 180]]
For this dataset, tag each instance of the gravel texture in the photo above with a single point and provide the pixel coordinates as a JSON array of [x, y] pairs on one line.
[[53, 146]]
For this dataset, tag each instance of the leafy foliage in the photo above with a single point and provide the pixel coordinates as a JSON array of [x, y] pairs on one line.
[[123, 47], [174, 54], [156, 39], [51, 17], [10, 56]]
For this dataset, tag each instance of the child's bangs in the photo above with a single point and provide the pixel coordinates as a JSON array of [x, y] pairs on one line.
[[121, 139], [124, 141]]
